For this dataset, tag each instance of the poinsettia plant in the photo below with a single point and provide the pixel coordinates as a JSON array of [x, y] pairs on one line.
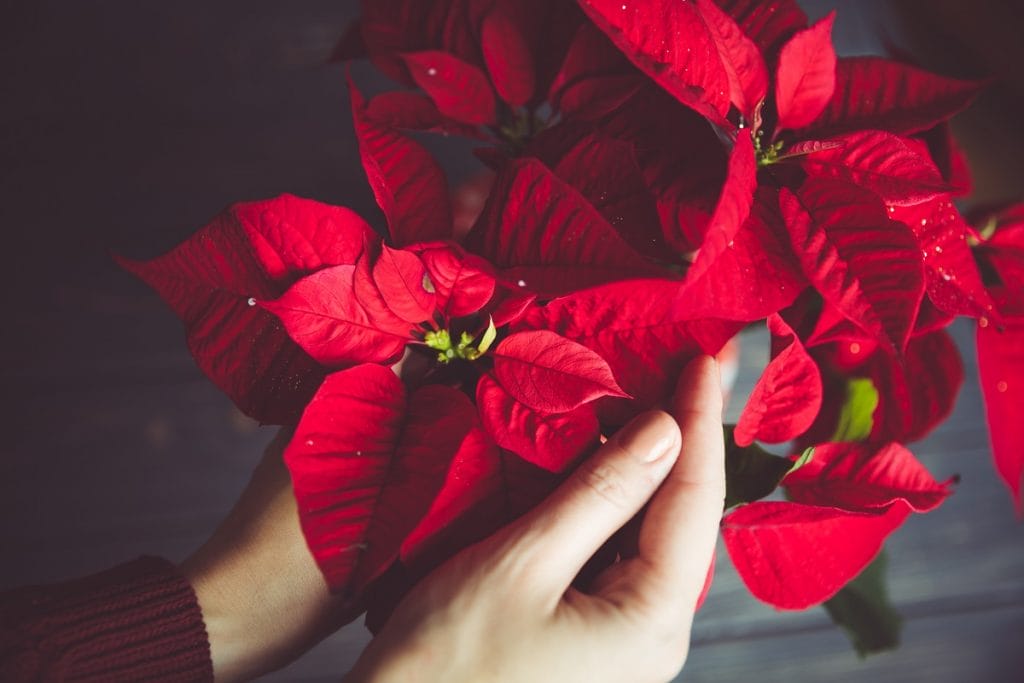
[[665, 174]]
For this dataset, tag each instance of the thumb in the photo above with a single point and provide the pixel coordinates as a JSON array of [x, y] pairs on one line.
[[600, 497]]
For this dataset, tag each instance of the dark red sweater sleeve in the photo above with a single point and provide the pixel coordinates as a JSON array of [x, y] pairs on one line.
[[139, 621]]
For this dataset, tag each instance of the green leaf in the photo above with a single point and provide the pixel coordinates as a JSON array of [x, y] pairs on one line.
[[862, 609], [856, 418], [751, 473], [804, 458]]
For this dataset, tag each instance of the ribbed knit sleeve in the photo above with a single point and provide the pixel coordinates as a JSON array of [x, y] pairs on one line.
[[136, 622]]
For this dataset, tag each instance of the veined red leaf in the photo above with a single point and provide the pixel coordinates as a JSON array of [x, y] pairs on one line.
[[550, 373], [881, 94], [953, 281], [744, 66], [365, 469], [753, 276], [949, 157], [251, 250], [409, 185], [402, 279], [787, 397], [594, 78], [769, 24], [806, 76], [733, 207], [670, 42], [865, 478], [637, 329], [794, 556], [507, 52], [323, 315], [917, 392], [405, 109], [605, 171], [460, 90], [880, 162], [1001, 373], [549, 440], [867, 266], [542, 232], [463, 283]]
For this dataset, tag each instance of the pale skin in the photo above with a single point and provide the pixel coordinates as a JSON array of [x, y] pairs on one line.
[[503, 609]]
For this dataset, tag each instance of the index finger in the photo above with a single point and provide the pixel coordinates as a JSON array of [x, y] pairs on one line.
[[677, 537]]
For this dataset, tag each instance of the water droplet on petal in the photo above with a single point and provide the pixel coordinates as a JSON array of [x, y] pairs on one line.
[[521, 283], [938, 249], [431, 71], [854, 348], [252, 301], [1001, 387], [309, 442], [982, 321]]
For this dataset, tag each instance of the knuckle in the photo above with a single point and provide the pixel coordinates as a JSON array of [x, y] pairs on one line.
[[605, 480]]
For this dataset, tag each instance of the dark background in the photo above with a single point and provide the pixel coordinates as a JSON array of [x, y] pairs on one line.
[[126, 125]]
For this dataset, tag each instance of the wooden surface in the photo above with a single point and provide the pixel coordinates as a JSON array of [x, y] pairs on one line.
[[125, 126]]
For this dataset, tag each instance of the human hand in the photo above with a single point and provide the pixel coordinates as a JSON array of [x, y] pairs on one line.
[[263, 598], [504, 610]]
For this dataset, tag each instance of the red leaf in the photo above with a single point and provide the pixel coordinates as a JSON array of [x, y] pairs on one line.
[[769, 24], [550, 373], [865, 478], [549, 440], [880, 94], [744, 67], [506, 52], [787, 397], [605, 171], [755, 274], [460, 90], [954, 283], [670, 42], [402, 279], [409, 186], [917, 392], [404, 109], [636, 327], [806, 77], [865, 265], [1001, 372], [542, 232], [880, 162], [463, 283], [362, 478], [794, 556], [594, 78], [733, 207], [323, 315], [253, 250]]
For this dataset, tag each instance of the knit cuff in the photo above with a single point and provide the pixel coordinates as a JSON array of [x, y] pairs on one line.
[[137, 621]]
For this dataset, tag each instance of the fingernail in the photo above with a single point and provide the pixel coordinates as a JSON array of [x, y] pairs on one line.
[[651, 436]]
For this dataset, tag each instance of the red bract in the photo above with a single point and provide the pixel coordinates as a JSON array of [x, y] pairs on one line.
[[806, 75], [253, 251]]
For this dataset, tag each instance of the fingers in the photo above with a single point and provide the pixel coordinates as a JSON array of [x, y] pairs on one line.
[[599, 497], [677, 537]]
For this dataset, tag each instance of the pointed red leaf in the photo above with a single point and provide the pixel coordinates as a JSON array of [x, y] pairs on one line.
[[794, 556], [405, 109], [769, 24], [544, 233], [507, 53], [880, 162], [256, 250], [806, 76], [365, 470], [864, 264], [549, 440], [409, 185], [403, 281], [463, 283], [460, 90], [954, 283], [1001, 373], [323, 315], [865, 478], [787, 397], [605, 171], [635, 327], [594, 78], [753, 276], [670, 42], [881, 94], [550, 373], [744, 66]]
